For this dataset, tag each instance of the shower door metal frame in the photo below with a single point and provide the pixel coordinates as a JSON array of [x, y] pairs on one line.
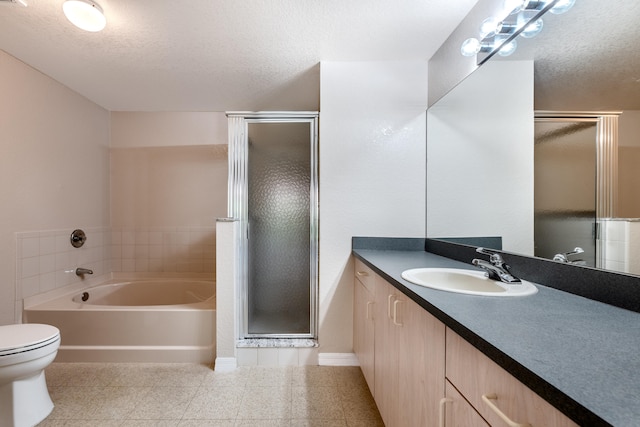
[[238, 208]]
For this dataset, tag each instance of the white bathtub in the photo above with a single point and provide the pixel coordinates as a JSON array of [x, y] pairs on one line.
[[159, 320]]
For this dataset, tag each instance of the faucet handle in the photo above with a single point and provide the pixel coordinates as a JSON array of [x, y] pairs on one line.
[[494, 257]]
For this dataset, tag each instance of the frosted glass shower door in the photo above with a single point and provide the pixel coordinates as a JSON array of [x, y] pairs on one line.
[[565, 167], [273, 192], [279, 183]]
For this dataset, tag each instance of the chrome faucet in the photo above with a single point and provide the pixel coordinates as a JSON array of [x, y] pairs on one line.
[[82, 271], [564, 257], [496, 268]]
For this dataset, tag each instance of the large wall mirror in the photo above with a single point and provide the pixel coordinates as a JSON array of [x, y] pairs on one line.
[[542, 148]]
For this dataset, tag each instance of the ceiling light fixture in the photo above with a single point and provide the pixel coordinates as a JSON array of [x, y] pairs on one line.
[[85, 14]]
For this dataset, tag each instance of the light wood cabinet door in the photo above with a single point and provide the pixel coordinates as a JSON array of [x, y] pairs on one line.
[[457, 412], [421, 364], [498, 397], [386, 353], [363, 331], [409, 360]]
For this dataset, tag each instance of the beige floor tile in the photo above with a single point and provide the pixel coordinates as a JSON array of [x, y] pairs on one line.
[[164, 403], [365, 423], [215, 403], [260, 376], [318, 423], [86, 374], [181, 374], [358, 404], [192, 395], [236, 378], [263, 423], [85, 423], [349, 376], [265, 403], [316, 403], [74, 402], [150, 423], [313, 376], [113, 403], [131, 374], [207, 423]]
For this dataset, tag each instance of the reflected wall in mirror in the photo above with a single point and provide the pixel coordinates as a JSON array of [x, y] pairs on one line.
[[583, 61]]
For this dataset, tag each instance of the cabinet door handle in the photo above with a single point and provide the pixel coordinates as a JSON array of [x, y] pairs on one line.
[[489, 400], [362, 273], [369, 304], [443, 403], [395, 313], [389, 299]]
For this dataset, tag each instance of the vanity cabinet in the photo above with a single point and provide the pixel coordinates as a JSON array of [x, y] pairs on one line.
[[495, 394], [421, 373], [363, 326], [408, 359]]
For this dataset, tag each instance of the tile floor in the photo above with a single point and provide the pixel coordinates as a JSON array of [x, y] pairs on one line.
[[163, 395]]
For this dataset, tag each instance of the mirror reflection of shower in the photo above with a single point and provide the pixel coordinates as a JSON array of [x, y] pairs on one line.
[[274, 177]]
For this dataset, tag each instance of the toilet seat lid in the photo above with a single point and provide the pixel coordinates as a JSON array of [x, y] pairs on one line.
[[25, 337]]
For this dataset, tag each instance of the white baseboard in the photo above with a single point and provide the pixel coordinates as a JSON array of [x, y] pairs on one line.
[[225, 364], [338, 359]]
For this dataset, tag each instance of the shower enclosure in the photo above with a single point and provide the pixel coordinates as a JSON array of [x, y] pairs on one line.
[[575, 182], [273, 192]]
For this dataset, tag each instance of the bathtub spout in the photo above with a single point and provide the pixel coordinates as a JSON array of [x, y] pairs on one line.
[[82, 271]]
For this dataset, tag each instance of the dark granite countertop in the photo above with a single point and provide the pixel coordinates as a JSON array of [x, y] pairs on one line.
[[581, 355]]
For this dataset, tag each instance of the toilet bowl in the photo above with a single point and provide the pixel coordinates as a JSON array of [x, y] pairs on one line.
[[25, 350]]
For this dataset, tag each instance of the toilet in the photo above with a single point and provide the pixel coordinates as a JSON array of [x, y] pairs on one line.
[[25, 351]]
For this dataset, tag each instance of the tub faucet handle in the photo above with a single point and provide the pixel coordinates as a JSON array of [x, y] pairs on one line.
[[82, 271]]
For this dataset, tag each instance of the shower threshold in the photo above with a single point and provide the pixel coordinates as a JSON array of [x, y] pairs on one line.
[[277, 343]]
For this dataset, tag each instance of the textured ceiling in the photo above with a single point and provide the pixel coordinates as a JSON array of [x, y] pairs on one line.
[[587, 59], [217, 55]]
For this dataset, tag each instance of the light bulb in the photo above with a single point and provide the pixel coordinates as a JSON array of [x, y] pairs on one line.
[[508, 48], [489, 27], [532, 29], [562, 6], [470, 47], [84, 14]]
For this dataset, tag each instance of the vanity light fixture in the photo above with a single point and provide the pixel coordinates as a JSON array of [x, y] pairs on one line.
[[518, 17], [85, 14], [533, 29], [508, 48]]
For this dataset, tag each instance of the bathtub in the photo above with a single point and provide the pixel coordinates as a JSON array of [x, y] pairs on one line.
[[159, 320]]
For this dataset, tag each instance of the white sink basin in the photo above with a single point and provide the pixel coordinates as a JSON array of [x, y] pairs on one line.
[[466, 282]]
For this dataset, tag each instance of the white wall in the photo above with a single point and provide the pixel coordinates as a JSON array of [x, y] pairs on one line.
[[372, 173], [55, 173], [168, 186], [480, 157]]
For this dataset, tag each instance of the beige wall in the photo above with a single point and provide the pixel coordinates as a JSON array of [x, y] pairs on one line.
[[168, 186], [54, 166], [628, 161]]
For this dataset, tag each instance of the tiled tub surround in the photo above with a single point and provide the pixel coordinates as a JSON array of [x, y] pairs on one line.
[[46, 261], [620, 249], [164, 249], [579, 354]]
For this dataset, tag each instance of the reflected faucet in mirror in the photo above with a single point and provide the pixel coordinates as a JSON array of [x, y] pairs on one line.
[[564, 257], [496, 268]]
